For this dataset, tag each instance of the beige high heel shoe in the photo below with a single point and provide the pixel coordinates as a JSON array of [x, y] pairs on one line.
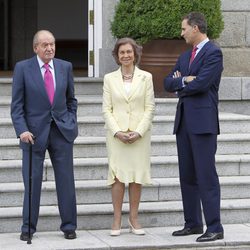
[[116, 232], [135, 231]]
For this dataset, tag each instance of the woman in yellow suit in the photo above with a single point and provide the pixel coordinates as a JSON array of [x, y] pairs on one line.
[[128, 106]]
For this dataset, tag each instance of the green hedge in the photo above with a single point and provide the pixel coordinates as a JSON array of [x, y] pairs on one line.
[[145, 20]]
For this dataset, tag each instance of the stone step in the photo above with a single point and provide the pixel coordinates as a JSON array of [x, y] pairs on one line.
[[161, 145], [4, 106], [83, 86], [89, 94], [162, 125], [97, 168], [236, 237], [92, 105], [99, 216], [5, 86], [87, 105], [97, 191], [88, 86]]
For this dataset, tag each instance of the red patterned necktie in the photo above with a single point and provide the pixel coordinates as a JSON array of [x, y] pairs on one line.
[[193, 55], [49, 83]]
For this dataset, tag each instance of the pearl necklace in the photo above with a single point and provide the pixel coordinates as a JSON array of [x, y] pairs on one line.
[[127, 77]]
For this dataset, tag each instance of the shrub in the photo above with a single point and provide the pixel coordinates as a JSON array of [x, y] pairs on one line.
[[145, 20]]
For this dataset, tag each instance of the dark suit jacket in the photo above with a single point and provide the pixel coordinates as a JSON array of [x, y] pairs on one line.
[[31, 109], [199, 98]]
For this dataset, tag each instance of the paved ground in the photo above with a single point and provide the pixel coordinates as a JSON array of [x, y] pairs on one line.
[[237, 236]]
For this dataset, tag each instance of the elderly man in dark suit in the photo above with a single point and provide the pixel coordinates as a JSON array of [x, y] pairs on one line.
[[44, 106], [196, 78]]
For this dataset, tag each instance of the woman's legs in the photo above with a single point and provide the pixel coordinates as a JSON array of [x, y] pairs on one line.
[[134, 201], [118, 189]]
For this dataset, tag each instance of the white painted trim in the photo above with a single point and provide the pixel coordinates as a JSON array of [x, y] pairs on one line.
[[95, 37], [90, 39]]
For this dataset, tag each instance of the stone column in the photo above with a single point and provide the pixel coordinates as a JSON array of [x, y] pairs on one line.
[[107, 63], [235, 38]]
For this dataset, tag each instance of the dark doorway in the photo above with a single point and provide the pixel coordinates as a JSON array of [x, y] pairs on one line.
[[67, 20], [69, 24], [3, 34]]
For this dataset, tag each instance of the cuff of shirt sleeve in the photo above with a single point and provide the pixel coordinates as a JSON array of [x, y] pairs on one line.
[[184, 81]]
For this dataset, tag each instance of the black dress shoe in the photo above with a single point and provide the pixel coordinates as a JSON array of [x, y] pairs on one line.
[[210, 237], [25, 236], [188, 231], [70, 235]]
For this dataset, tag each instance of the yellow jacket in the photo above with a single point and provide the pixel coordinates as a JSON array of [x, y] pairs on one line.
[[133, 111]]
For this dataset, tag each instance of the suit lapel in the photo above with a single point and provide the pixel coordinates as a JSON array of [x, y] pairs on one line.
[[119, 83], [59, 78], [201, 53], [135, 82], [134, 85], [35, 72]]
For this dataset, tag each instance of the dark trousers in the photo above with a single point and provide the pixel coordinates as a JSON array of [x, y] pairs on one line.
[[198, 178], [61, 155]]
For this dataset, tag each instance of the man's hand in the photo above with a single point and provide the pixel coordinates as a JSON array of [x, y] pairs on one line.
[[177, 74], [189, 79], [27, 137]]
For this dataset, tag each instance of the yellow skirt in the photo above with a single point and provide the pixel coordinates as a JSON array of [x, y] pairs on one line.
[[129, 162]]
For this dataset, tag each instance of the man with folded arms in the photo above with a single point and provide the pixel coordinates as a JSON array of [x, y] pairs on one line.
[[196, 78]]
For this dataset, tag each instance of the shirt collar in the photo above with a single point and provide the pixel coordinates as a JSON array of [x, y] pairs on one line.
[[201, 44], [41, 63]]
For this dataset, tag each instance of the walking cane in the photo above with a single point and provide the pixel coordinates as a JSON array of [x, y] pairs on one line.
[[30, 192]]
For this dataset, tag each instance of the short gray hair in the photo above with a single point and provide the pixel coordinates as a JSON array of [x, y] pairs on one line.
[[38, 33]]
